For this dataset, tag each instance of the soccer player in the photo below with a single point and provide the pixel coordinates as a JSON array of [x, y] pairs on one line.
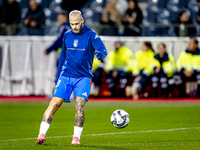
[[74, 73]]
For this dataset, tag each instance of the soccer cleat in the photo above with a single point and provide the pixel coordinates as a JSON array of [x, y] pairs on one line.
[[41, 139], [75, 141]]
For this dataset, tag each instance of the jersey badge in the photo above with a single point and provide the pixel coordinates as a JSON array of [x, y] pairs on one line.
[[75, 43]]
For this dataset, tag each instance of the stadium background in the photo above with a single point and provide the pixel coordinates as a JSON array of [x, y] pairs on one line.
[[167, 124], [26, 71]]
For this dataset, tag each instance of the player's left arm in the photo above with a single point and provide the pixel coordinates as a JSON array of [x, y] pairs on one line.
[[100, 49]]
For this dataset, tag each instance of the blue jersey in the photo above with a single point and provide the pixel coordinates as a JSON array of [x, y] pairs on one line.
[[78, 51]]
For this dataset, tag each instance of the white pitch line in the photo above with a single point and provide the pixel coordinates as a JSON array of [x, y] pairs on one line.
[[148, 131]]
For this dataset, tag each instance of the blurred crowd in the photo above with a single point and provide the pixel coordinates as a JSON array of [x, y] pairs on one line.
[[113, 17], [129, 75], [33, 19], [124, 73]]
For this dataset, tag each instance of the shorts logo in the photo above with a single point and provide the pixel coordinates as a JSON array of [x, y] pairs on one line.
[[55, 91], [84, 94], [75, 43]]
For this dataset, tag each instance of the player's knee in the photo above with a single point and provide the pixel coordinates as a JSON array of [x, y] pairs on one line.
[[54, 105]]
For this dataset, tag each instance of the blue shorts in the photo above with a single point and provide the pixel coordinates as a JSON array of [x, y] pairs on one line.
[[66, 85]]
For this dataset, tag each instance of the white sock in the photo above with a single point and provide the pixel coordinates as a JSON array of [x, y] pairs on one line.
[[77, 132], [44, 127]]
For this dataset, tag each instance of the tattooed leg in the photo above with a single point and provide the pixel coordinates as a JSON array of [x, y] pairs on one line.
[[80, 111], [47, 119], [54, 105]]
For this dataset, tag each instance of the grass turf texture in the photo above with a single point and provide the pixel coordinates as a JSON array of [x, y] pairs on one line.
[[19, 126]]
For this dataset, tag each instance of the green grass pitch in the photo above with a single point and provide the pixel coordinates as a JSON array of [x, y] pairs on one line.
[[163, 126]]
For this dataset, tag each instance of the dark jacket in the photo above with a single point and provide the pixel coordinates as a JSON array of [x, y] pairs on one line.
[[37, 15], [10, 14], [191, 31], [137, 14], [198, 15], [162, 59]]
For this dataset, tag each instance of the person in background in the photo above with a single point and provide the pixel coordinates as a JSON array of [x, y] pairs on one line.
[[188, 67], [164, 68], [34, 18], [133, 16], [198, 14], [116, 68], [97, 70], [112, 15], [184, 20], [62, 19], [144, 59], [10, 16]]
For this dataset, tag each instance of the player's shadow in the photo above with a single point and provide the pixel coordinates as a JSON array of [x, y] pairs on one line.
[[85, 146], [104, 147]]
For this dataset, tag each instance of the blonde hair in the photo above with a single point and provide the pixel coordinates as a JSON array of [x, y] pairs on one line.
[[76, 13]]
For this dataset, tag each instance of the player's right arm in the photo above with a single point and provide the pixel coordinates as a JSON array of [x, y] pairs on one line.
[[61, 59], [57, 43]]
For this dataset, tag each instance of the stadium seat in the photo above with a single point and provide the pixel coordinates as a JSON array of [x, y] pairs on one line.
[[45, 3], [92, 11], [150, 18], [55, 6], [174, 11], [23, 3], [174, 7], [180, 4], [164, 17], [193, 8], [50, 15], [23, 13], [158, 3], [161, 17], [152, 13]]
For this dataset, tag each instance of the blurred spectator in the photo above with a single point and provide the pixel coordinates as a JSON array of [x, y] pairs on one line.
[[112, 15], [116, 67], [188, 66], [34, 18], [185, 22], [1, 58], [10, 15], [164, 68], [133, 16], [144, 58], [64, 25], [97, 70], [70, 5], [198, 14]]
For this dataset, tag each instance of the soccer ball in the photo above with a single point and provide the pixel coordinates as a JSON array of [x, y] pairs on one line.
[[120, 118]]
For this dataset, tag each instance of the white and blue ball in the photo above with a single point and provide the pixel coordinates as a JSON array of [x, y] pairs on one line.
[[120, 118]]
